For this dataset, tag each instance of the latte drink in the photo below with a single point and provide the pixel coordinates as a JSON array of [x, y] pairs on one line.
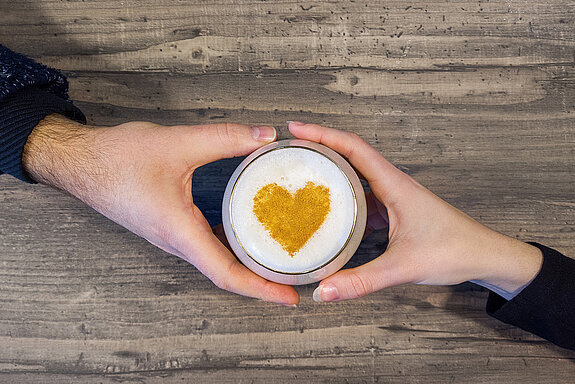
[[294, 212]]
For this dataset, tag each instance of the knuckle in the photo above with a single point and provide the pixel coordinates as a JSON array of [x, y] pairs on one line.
[[224, 280], [163, 233], [354, 136], [228, 135], [360, 285], [264, 288], [221, 282], [355, 141]]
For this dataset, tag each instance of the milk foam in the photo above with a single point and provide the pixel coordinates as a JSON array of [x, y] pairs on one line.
[[292, 168]]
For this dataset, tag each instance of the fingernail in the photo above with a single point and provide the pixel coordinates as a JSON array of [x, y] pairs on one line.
[[295, 122], [263, 132], [325, 292], [290, 305]]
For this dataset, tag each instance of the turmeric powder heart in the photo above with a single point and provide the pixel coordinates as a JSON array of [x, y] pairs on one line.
[[292, 220]]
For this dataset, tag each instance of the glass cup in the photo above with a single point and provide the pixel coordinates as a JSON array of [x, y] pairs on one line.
[[291, 165]]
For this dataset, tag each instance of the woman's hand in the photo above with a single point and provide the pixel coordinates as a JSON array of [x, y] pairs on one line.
[[139, 175], [430, 241]]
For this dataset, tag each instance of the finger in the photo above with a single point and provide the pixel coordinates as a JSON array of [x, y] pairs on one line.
[[367, 160], [218, 141], [377, 218], [385, 271], [214, 260]]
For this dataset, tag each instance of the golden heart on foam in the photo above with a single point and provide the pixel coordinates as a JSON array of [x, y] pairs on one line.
[[292, 220]]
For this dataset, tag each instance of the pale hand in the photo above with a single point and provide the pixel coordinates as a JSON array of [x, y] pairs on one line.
[[430, 241], [139, 175]]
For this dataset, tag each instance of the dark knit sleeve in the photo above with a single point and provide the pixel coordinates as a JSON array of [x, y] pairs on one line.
[[546, 307], [29, 91]]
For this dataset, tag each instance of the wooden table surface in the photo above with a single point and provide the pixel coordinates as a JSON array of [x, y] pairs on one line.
[[476, 100]]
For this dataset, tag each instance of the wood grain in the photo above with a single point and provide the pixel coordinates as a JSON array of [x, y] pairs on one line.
[[476, 100]]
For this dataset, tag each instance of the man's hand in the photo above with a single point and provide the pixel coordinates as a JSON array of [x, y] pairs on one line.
[[430, 241], [139, 175]]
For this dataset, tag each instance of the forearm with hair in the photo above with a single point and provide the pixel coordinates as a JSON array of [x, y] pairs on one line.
[[60, 153]]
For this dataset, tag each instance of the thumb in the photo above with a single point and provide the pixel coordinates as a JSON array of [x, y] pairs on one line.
[[217, 141], [385, 271]]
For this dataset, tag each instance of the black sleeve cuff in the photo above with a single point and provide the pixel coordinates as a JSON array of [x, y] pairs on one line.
[[546, 307], [19, 114]]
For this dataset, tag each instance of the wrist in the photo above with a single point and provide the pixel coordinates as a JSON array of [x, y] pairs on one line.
[[57, 153], [511, 266]]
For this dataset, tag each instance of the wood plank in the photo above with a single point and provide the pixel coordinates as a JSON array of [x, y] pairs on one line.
[[246, 35]]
